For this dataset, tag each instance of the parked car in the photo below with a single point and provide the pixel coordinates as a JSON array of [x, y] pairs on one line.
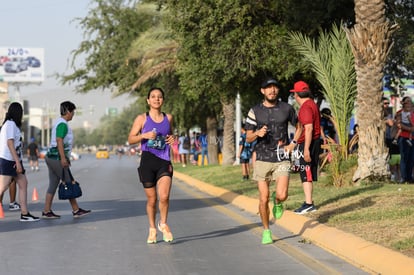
[[33, 61], [16, 65], [102, 153]]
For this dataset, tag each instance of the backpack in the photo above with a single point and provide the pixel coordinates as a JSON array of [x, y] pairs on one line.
[[186, 143]]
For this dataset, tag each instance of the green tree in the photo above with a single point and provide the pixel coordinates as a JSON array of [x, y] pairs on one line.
[[109, 29], [221, 49], [400, 58]]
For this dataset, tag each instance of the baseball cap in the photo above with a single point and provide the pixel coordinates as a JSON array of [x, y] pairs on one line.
[[269, 81], [300, 86]]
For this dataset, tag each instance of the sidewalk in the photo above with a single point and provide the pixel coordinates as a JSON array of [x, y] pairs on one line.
[[368, 256]]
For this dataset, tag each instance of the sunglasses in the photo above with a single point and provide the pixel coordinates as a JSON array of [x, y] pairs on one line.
[[386, 103]]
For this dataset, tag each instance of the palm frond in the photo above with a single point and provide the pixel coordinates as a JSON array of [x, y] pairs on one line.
[[332, 61]]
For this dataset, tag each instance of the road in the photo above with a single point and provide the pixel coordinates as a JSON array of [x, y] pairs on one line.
[[211, 237]]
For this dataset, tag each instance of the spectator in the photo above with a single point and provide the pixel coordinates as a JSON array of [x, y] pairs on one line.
[[203, 139], [353, 140], [309, 143], [245, 153], [405, 145], [195, 147], [184, 146], [175, 153], [328, 132], [393, 150]]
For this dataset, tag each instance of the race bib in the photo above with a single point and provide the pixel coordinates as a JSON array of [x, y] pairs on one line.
[[157, 143]]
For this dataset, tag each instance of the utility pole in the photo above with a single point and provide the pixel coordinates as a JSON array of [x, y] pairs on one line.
[[238, 126]]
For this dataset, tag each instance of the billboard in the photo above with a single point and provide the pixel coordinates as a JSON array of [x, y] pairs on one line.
[[22, 64]]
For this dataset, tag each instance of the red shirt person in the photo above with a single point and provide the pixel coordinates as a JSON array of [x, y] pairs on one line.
[[308, 142]]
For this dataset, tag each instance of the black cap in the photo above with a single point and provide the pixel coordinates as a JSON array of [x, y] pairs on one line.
[[270, 81]]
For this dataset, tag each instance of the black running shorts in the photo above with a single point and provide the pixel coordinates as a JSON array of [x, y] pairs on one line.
[[309, 170], [152, 168]]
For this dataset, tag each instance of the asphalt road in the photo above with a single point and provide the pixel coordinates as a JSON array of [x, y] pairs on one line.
[[211, 236]]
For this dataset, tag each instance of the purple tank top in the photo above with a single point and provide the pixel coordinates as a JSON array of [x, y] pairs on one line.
[[158, 147]]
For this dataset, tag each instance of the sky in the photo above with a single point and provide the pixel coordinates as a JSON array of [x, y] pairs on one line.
[[50, 24]]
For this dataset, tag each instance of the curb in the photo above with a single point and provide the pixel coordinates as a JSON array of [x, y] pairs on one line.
[[355, 250]]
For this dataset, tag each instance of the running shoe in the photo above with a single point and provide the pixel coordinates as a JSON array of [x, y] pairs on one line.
[[14, 206], [152, 236], [50, 215], [267, 237], [80, 213], [305, 208], [278, 210], [277, 207], [166, 233], [28, 218]]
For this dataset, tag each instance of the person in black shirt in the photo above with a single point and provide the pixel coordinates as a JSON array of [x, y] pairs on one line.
[[267, 123], [33, 153]]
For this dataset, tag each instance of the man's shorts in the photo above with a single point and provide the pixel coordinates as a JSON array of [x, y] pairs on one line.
[[152, 168], [268, 171], [33, 158], [309, 170]]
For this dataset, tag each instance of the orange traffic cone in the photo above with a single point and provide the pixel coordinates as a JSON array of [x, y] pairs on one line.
[[35, 196], [1, 212]]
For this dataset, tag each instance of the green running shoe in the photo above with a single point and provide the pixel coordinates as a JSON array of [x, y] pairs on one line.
[[277, 207], [267, 237]]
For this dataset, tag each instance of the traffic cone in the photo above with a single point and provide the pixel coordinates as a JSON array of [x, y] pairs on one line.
[[35, 196], [1, 212]]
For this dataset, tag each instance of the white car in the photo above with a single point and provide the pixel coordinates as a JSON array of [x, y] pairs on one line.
[[16, 65]]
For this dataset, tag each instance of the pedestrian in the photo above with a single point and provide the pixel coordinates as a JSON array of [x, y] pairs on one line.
[[155, 170], [267, 123], [11, 164], [203, 141], [309, 142], [33, 154], [184, 146], [174, 149], [13, 205], [245, 154], [405, 120], [391, 130], [328, 132], [58, 160]]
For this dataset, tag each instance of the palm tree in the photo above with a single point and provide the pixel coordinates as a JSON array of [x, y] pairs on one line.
[[158, 53], [370, 40]]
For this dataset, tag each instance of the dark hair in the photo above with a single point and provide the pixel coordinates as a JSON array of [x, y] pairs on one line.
[[307, 94], [155, 88], [404, 98], [326, 112], [66, 106], [15, 113]]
